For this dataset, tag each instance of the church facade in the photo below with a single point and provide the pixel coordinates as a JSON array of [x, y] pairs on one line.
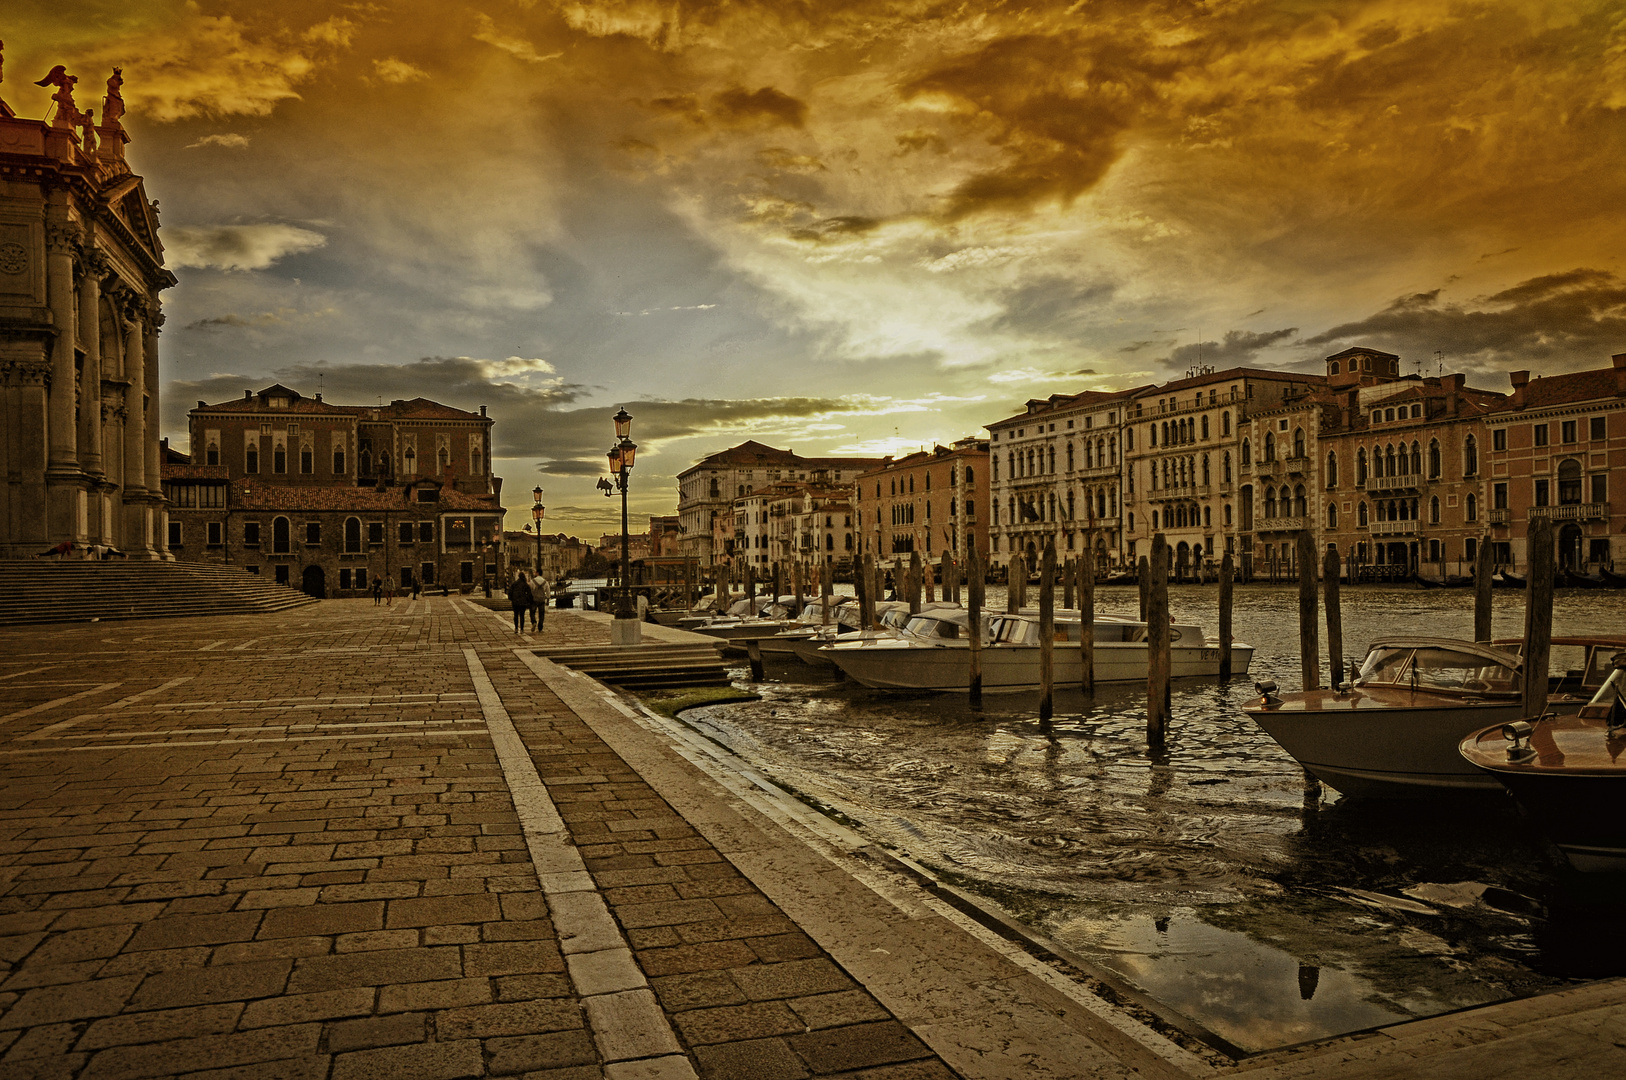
[[81, 269]]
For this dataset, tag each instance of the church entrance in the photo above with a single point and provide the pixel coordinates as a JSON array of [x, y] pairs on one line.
[[314, 582]]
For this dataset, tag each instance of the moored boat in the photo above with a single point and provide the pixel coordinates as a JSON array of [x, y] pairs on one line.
[[892, 615], [1393, 732], [933, 653], [1568, 773]]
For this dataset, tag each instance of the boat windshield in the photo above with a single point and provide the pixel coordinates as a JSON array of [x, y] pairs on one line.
[[895, 620], [1011, 631], [1609, 703], [1436, 669], [926, 626]]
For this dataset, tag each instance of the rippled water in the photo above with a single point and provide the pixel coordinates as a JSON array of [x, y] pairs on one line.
[[1201, 875]]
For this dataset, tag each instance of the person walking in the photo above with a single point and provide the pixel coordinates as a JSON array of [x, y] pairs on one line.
[[417, 586], [519, 595], [539, 603], [389, 592], [378, 590]]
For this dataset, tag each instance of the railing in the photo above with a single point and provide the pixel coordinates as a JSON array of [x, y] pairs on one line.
[[1189, 491], [1226, 398], [1499, 516], [1573, 512], [1297, 466], [1394, 528], [1095, 471], [1283, 524]]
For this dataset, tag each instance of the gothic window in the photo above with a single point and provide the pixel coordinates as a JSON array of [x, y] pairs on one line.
[[409, 460], [1205, 470], [1332, 468], [307, 460], [1205, 427], [352, 535], [1270, 502], [474, 463], [1434, 510], [1225, 424], [1208, 517], [338, 462], [444, 458], [1227, 515], [279, 460], [1332, 515], [1270, 446], [1471, 508], [1298, 442], [1360, 466], [1070, 456], [1433, 459], [1360, 514], [1070, 514], [366, 462], [1225, 468], [1246, 458], [1389, 460], [251, 459], [1416, 459], [1052, 459], [1470, 457], [279, 536], [211, 456]]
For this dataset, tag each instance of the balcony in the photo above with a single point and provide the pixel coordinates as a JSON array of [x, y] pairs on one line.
[[1283, 524], [1297, 466], [1224, 399], [1574, 512], [1096, 471], [1499, 516], [1394, 528], [1189, 491]]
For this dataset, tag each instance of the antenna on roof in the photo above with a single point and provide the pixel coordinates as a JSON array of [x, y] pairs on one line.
[[1439, 362]]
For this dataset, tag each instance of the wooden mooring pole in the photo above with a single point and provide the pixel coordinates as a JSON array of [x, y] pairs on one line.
[[973, 588], [1335, 616], [864, 585], [1144, 580], [1225, 585], [1309, 651], [1047, 633], [778, 582], [753, 653], [796, 587], [827, 589], [1086, 611], [1014, 572], [1484, 567], [1157, 643], [912, 583], [1069, 570], [1538, 615], [751, 584]]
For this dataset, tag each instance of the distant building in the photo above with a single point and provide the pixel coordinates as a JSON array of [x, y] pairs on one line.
[[707, 490], [1553, 447], [926, 502], [1057, 471], [328, 497], [792, 522], [81, 267], [665, 536], [560, 554]]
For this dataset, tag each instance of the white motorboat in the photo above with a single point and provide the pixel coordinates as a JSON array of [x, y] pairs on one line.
[[892, 615], [843, 620], [932, 654], [762, 618], [1394, 731]]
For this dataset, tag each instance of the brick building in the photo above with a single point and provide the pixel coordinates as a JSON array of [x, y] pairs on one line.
[[794, 521], [933, 502], [327, 497]]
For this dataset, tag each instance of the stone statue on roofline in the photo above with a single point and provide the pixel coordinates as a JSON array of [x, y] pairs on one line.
[[67, 113], [113, 103]]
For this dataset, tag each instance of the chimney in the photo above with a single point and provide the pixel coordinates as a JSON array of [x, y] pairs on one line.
[[318, 395], [482, 410], [1521, 378], [201, 404], [1620, 361], [248, 395]]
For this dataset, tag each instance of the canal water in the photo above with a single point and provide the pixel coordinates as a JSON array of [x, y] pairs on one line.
[[1202, 876]]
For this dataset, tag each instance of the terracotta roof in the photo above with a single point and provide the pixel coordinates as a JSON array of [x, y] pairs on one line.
[[1058, 402], [1234, 373], [1577, 386], [1362, 350], [755, 453], [418, 408]]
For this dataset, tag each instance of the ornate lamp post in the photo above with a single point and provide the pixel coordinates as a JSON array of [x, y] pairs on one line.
[[537, 510], [621, 457]]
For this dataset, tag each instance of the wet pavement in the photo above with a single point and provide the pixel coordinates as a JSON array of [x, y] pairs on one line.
[[1203, 877]]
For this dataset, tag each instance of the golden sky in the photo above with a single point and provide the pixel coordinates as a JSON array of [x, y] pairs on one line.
[[849, 227]]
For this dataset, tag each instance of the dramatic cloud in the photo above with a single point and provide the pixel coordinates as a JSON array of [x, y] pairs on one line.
[[392, 70], [1240, 348], [237, 247], [230, 141], [1576, 319]]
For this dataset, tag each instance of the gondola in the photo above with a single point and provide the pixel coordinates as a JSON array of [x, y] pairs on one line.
[[1575, 579], [1507, 579], [1445, 581]]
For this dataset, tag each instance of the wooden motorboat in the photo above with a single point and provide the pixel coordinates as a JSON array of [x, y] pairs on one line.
[[1393, 731], [1568, 773], [1577, 666], [932, 654]]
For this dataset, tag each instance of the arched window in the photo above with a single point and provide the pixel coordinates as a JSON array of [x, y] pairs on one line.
[[307, 460], [1101, 504], [1165, 433], [1070, 456], [338, 462], [1569, 482], [1298, 501], [1205, 427], [1360, 466], [1270, 502], [211, 456], [968, 474], [352, 535], [1471, 508], [1298, 442], [1433, 459], [1360, 515], [1225, 424], [1225, 468], [409, 460], [1389, 460], [1333, 370], [1246, 458], [384, 463], [279, 536], [251, 459], [1031, 470], [1270, 446], [1154, 520], [443, 458], [1470, 457], [1206, 480], [1416, 459], [279, 460], [1070, 514], [1434, 510], [1151, 435], [1332, 468], [1332, 515], [1227, 515], [1052, 459], [1103, 444], [1208, 517]]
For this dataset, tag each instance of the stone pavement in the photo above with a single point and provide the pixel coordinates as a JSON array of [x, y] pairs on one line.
[[348, 841]]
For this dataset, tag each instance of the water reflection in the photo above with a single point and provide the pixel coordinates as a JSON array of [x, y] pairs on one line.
[[1203, 872]]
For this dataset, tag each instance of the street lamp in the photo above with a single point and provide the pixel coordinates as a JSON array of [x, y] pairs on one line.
[[537, 510], [621, 457]]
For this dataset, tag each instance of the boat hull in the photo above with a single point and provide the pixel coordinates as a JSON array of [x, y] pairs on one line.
[[1579, 814], [1388, 752], [893, 665]]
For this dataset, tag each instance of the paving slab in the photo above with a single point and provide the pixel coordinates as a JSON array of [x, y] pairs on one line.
[[351, 841]]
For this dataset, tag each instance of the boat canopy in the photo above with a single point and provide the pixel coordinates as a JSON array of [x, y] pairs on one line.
[[949, 623], [1440, 664], [1023, 629]]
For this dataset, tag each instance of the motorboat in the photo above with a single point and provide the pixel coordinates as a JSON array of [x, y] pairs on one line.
[[1567, 772], [932, 654], [1577, 667], [1393, 731], [843, 619], [890, 615]]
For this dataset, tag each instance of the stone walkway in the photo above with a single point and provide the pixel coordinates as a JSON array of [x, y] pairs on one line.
[[352, 841]]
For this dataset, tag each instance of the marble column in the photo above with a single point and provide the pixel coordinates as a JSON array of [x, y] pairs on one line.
[[95, 266], [65, 507], [159, 521], [137, 539]]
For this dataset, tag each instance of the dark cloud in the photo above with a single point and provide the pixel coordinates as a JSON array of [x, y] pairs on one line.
[[738, 105], [835, 228], [1570, 318], [1240, 348], [1055, 305]]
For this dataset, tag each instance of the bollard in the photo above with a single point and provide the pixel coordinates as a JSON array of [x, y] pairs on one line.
[[1309, 650], [1157, 642], [753, 652], [1538, 615], [1225, 585], [1483, 569], [1047, 633], [1086, 611], [1335, 616], [974, 586]]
